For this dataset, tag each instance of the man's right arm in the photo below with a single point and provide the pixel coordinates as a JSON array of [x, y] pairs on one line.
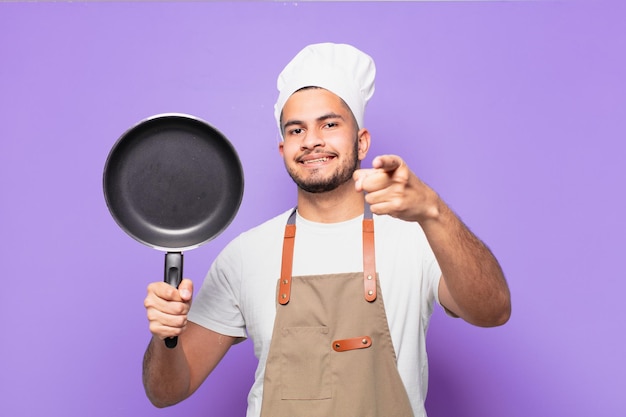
[[171, 375]]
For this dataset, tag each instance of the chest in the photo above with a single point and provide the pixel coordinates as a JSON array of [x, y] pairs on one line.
[[327, 253]]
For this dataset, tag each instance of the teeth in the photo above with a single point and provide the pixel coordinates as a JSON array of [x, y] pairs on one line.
[[312, 161]]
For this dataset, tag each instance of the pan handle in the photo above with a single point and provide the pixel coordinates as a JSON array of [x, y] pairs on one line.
[[173, 276]]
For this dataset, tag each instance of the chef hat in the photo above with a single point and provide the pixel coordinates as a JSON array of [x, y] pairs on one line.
[[339, 68]]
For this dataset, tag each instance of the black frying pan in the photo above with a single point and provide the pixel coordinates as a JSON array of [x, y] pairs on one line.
[[173, 182]]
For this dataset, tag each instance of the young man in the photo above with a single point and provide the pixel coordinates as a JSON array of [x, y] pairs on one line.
[[308, 285]]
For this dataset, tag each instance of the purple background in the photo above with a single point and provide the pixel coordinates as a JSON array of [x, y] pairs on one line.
[[515, 112]]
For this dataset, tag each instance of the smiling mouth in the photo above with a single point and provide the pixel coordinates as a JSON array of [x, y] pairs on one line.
[[317, 160], [313, 158]]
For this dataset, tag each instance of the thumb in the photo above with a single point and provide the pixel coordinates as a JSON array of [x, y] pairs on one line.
[[185, 289], [360, 175]]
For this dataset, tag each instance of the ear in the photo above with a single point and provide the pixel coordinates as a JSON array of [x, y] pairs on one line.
[[281, 145], [364, 140]]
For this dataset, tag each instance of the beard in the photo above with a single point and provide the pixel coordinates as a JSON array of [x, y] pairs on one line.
[[315, 183]]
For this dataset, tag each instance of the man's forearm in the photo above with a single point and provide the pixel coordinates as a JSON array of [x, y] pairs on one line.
[[472, 274], [166, 376]]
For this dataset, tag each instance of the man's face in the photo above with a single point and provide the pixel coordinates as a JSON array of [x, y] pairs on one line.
[[322, 146]]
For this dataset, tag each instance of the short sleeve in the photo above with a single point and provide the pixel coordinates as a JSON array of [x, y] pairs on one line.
[[216, 305]]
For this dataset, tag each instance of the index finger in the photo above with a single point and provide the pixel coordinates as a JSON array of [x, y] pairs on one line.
[[387, 163]]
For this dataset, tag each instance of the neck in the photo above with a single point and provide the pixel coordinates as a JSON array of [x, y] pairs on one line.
[[343, 203]]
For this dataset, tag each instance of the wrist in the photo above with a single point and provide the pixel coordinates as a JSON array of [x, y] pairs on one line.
[[432, 211]]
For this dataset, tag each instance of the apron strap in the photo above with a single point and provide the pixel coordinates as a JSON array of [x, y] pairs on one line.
[[284, 289], [369, 258]]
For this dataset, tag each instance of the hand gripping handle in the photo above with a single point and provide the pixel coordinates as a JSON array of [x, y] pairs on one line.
[[173, 276]]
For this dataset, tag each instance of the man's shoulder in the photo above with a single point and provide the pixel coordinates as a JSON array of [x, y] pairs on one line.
[[268, 228], [256, 242]]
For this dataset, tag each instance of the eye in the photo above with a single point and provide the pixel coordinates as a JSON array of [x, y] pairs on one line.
[[330, 125]]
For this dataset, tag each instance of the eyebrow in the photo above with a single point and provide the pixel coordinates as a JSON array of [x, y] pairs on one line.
[[319, 119]]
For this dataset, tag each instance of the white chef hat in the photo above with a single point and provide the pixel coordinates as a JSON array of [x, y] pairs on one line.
[[339, 68]]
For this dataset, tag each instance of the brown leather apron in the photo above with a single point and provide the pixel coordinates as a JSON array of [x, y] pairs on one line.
[[331, 353]]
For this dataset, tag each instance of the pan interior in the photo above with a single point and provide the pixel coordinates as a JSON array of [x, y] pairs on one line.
[[173, 182]]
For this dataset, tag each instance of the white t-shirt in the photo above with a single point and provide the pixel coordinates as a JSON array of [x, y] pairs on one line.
[[238, 296]]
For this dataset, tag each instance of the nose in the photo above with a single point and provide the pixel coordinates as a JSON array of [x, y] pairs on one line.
[[312, 140]]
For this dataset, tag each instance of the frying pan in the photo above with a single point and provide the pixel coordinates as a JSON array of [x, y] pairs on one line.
[[173, 182]]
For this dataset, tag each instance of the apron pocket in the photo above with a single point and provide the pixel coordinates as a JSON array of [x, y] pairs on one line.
[[305, 363]]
